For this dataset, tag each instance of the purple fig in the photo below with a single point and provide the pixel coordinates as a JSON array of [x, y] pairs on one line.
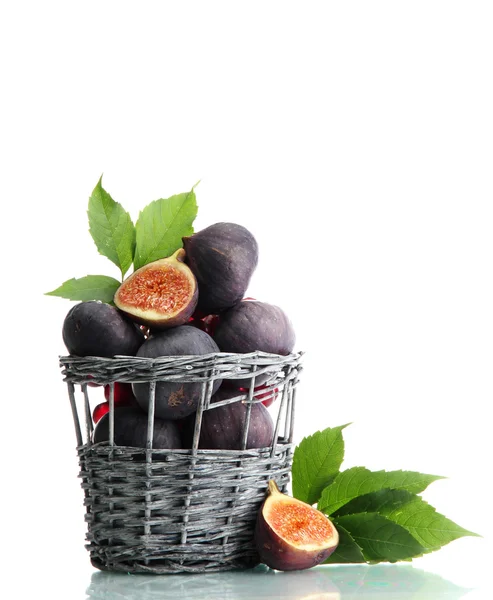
[[97, 329], [222, 427], [223, 258], [175, 399], [252, 325], [131, 430]]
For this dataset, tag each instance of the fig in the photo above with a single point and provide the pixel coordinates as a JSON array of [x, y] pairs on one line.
[[174, 400], [160, 294], [291, 535], [252, 325], [223, 258], [131, 430], [222, 427], [97, 329]]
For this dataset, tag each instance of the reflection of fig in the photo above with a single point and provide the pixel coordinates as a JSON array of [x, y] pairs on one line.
[[222, 427], [222, 257], [253, 325], [160, 294], [131, 430], [98, 329], [175, 399], [292, 535]]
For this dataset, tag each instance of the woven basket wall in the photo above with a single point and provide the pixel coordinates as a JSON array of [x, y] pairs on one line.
[[177, 511]]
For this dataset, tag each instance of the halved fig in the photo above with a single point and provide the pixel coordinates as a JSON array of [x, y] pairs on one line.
[[291, 535], [161, 294]]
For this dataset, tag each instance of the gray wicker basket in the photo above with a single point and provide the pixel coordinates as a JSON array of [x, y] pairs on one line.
[[178, 511]]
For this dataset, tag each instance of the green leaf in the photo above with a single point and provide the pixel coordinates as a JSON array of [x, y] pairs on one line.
[[347, 550], [161, 226], [111, 228], [90, 287], [431, 529], [380, 538], [316, 462], [375, 502], [359, 481]]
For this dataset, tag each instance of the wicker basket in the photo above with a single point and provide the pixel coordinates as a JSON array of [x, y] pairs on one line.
[[177, 511]]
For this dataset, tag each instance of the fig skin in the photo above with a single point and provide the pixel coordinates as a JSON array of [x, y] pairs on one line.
[[175, 400], [222, 427], [97, 329], [147, 311], [252, 325], [223, 258], [131, 430], [279, 554]]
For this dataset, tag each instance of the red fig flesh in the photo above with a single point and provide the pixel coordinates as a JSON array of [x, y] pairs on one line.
[[292, 535], [161, 294]]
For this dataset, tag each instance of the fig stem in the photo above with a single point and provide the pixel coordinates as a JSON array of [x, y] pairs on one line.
[[179, 255], [273, 489]]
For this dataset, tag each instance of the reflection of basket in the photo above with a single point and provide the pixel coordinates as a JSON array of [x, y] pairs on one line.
[[171, 511]]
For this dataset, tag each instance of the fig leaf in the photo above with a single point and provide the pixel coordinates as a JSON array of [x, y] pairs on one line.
[[90, 287], [347, 551], [161, 226], [111, 228], [380, 538], [431, 529], [358, 481], [316, 462]]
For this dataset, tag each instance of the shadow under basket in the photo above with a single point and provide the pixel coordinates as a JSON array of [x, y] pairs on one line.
[[180, 510]]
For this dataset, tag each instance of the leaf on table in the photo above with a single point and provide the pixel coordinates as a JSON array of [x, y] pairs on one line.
[[375, 502], [347, 550], [316, 462], [358, 481], [379, 538], [430, 528]]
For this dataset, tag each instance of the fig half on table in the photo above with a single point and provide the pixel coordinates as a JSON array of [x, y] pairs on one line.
[[291, 535]]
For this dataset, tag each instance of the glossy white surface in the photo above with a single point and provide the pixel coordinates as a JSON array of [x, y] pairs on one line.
[[321, 583]]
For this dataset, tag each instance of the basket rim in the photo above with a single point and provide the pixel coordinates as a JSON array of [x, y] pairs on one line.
[[195, 367], [105, 447], [163, 360]]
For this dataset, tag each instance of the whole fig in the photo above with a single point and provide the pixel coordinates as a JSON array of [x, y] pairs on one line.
[[131, 430], [252, 325], [97, 329], [223, 258], [222, 427], [174, 400]]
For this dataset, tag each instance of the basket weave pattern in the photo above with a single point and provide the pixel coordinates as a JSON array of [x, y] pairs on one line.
[[171, 511]]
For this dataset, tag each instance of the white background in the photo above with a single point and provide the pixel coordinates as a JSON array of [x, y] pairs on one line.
[[353, 139]]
